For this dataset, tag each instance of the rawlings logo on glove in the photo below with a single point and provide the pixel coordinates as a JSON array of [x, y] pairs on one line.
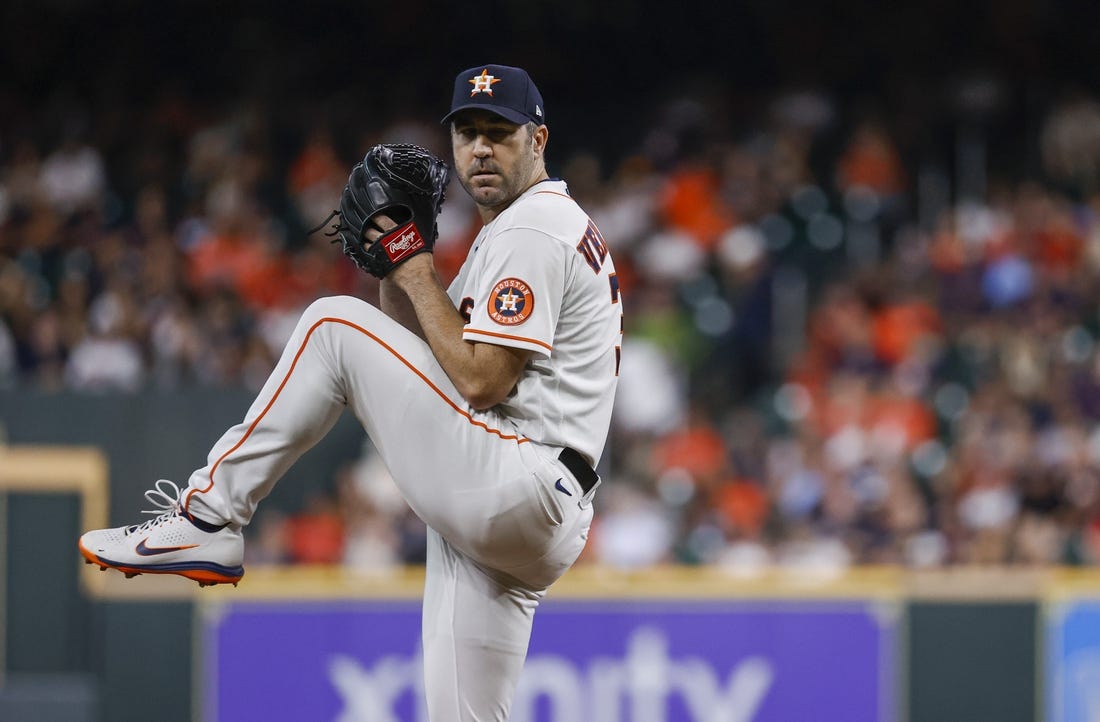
[[403, 182], [406, 242]]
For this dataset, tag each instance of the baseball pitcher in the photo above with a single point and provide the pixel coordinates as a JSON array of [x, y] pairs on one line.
[[489, 401]]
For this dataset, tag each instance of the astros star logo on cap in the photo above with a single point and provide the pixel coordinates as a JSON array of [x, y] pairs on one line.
[[483, 83]]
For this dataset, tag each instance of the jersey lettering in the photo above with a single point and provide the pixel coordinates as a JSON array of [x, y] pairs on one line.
[[593, 247], [465, 308], [614, 281]]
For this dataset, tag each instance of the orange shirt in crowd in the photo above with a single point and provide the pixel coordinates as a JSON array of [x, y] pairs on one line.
[[908, 417], [223, 259], [317, 163], [698, 449], [898, 328], [316, 537], [692, 203], [743, 504], [871, 161]]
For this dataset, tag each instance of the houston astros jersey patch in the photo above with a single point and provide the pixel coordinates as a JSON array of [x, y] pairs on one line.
[[511, 302]]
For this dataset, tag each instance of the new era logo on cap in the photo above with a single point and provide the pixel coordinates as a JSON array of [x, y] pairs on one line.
[[502, 89]]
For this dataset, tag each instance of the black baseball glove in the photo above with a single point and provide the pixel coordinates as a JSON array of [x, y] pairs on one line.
[[404, 182]]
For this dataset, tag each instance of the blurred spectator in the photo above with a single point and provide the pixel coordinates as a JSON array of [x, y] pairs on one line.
[[692, 203], [650, 397], [1070, 142], [268, 541], [632, 531], [107, 358], [316, 177], [372, 506], [315, 535], [73, 177], [871, 161]]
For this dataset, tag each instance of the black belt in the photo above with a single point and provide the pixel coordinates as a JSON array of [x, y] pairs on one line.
[[579, 468]]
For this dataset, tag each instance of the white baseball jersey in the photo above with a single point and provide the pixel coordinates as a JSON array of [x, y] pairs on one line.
[[539, 277]]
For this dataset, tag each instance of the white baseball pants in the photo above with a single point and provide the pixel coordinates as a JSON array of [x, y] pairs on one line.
[[500, 533]]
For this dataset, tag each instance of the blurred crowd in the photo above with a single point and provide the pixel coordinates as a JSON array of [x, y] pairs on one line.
[[837, 352]]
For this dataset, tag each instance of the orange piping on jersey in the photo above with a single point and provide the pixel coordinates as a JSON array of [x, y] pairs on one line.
[[546, 346], [383, 344]]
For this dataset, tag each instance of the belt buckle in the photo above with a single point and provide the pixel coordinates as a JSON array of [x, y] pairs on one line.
[[586, 501]]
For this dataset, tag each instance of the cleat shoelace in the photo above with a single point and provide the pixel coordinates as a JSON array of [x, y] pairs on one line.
[[167, 502]]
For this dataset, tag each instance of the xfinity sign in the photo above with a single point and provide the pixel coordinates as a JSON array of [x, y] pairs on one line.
[[638, 686], [588, 662]]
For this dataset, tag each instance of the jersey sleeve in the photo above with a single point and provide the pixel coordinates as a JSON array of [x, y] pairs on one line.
[[517, 293]]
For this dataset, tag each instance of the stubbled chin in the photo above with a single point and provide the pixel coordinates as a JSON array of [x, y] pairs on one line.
[[486, 192]]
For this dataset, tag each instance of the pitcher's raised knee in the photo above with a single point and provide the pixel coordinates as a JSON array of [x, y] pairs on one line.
[[347, 308]]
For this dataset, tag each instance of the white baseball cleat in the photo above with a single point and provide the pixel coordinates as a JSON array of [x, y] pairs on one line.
[[174, 542]]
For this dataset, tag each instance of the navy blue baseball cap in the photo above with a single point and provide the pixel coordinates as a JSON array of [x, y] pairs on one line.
[[509, 92]]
